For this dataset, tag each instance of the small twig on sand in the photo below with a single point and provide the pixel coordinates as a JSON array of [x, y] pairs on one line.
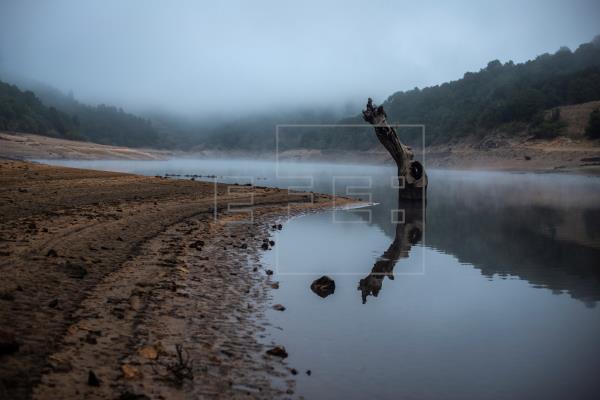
[[179, 370], [182, 368]]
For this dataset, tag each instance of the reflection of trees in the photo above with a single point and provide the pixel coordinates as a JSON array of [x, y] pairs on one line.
[[503, 233], [591, 219], [406, 235], [518, 241]]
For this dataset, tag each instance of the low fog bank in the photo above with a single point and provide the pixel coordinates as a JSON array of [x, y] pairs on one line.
[[235, 57], [223, 75], [507, 100]]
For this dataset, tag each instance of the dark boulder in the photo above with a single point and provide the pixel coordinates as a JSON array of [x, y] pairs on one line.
[[323, 287]]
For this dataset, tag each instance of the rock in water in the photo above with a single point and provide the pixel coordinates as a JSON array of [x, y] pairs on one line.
[[278, 351], [323, 287], [279, 307]]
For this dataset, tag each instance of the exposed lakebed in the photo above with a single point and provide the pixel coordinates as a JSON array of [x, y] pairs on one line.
[[495, 286]]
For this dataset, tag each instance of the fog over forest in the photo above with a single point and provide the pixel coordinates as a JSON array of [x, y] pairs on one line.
[[215, 59]]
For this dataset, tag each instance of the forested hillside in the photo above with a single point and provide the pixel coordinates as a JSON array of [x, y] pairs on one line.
[[24, 112], [509, 98], [103, 124], [502, 97], [53, 113]]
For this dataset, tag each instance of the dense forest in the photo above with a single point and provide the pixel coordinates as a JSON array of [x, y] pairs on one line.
[[24, 112], [103, 124], [509, 98], [502, 96], [52, 113]]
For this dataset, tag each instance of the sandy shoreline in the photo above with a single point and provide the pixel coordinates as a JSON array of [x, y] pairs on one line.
[[25, 146], [497, 152], [109, 272], [502, 153]]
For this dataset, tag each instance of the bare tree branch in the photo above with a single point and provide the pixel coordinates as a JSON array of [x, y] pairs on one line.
[[411, 174]]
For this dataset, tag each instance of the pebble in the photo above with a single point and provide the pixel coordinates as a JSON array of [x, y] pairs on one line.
[[93, 379], [278, 351]]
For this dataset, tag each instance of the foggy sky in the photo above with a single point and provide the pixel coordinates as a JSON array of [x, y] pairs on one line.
[[242, 56]]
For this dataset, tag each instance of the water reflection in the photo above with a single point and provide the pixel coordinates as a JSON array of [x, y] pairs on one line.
[[407, 233], [533, 228], [540, 228]]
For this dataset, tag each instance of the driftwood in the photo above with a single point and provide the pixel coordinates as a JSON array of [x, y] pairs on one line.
[[412, 178]]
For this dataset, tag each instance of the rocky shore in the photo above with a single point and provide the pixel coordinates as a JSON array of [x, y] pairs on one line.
[[118, 286]]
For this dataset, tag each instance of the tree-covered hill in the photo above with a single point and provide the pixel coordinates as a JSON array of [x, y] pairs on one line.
[[22, 111], [103, 124], [505, 98], [50, 112], [509, 98], [502, 96]]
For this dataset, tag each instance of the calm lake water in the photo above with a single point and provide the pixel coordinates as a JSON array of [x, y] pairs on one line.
[[491, 291]]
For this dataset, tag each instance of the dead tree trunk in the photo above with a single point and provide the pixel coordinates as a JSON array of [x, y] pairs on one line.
[[412, 178]]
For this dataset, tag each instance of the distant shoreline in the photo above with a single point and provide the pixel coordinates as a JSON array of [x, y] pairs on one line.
[[495, 152]]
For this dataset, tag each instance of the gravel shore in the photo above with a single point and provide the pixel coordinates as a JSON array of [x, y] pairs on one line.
[[123, 286]]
